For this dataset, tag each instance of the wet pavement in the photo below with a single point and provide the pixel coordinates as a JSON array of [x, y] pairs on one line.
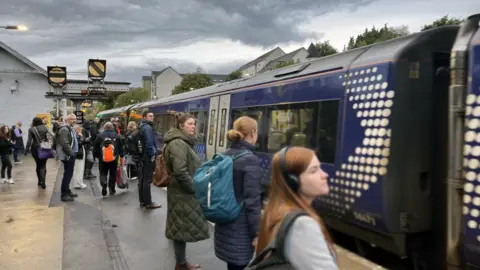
[[31, 233]]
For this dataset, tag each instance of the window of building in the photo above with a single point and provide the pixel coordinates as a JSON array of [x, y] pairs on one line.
[[312, 125]]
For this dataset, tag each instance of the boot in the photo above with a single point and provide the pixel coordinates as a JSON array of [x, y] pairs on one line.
[[187, 266]]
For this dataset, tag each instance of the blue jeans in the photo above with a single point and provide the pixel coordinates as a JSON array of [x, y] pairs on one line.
[[16, 151], [68, 166]]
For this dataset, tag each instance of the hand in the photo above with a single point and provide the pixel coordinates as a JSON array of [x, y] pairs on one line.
[[255, 241]]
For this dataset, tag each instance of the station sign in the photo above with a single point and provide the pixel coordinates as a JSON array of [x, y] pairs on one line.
[[57, 76], [80, 117], [97, 69]]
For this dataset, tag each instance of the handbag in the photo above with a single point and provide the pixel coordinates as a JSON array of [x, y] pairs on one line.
[[89, 156], [44, 147]]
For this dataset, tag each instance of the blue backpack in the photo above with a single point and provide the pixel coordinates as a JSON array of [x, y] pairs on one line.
[[214, 189]]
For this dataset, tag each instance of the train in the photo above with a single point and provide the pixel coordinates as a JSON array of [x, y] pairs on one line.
[[395, 124]]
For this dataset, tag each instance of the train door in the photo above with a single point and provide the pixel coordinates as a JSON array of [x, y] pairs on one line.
[[217, 125]]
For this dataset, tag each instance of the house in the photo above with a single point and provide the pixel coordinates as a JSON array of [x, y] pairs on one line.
[[313, 52], [255, 66], [297, 56], [164, 81], [23, 85], [147, 83]]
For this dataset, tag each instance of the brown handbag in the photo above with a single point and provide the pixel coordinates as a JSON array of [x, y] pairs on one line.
[[161, 178]]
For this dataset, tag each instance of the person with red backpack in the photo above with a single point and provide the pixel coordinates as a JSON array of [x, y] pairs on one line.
[[108, 148]]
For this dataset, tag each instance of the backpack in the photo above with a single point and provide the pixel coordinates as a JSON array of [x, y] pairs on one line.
[[161, 177], [214, 189], [108, 150], [134, 143], [274, 250]]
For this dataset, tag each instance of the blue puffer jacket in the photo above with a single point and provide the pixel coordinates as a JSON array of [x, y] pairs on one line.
[[233, 241]]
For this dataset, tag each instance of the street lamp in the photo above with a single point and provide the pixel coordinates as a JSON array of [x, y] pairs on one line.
[[15, 27]]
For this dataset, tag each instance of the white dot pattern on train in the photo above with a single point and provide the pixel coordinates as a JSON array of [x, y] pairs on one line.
[[371, 99], [471, 197]]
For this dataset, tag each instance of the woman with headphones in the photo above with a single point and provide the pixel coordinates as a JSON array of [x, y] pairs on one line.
[[297, 179]]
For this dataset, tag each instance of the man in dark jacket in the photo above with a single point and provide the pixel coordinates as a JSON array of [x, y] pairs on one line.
[[149, 147], [108, 168], [67, 148]]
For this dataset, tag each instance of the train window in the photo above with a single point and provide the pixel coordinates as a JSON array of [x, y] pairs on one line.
[[163, 123], [212, 127], [255, 113], [223, 122], [201, 125], [312, 125]]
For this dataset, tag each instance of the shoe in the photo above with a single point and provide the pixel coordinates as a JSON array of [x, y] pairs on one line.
[[71, 194], [42, 184], [81, 187], [104, 190], [10, 181], [66, 198], [3, 181], [112, 191], [153, 205]]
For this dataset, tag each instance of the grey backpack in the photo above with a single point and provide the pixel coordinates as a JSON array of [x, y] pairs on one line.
[[276, 259]]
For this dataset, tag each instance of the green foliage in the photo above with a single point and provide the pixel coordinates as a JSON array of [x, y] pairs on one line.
[[325, 48], [132, 97], [237, 74], [445, 20], [191, 82], [372, 36]]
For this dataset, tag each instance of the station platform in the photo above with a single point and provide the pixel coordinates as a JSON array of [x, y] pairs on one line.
[[38, 231]]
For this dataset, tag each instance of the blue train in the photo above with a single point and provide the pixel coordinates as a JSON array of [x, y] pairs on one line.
[[395, 124]]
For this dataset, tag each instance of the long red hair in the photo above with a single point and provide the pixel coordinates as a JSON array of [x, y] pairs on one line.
[[282, 199]]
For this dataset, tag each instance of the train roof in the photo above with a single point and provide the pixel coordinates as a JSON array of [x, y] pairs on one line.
[[387, 51], [115, 110]]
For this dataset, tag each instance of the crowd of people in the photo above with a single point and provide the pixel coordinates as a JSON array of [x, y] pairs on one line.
[[297, 179]]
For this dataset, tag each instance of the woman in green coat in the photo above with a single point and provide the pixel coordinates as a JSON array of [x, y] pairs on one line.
[[185, 220]]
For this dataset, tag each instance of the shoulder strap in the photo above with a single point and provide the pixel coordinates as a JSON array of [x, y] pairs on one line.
[[37, 135], [287, 222]]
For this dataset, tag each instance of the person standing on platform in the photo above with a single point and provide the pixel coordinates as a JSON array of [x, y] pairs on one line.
[[185, 219], [149, 148], [107, 148], [67, 148]]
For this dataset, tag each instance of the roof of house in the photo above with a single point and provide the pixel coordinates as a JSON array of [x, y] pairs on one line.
[[259, 59], [283, 58], [313, 52], [23, 59], [156, 73], [146, 78]]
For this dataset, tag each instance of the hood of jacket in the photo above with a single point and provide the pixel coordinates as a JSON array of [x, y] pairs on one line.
[[176, 133], [109, 133]]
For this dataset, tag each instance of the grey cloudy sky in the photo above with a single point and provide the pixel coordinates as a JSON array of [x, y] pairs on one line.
[[139, 36]]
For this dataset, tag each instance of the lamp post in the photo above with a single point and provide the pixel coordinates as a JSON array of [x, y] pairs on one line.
[[14, 27]]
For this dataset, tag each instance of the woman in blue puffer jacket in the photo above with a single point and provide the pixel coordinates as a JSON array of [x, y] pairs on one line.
[[234, 242]]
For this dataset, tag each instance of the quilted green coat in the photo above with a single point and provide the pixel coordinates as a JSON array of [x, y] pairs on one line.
[[185, 220]]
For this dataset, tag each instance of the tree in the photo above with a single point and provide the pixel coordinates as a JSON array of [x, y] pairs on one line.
[[445, 20], [284, 64], [325, 48], [192, 81], [237, 74], [372, 36], [131, 97]]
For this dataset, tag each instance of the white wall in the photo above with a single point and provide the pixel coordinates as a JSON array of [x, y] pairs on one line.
[[166, 82], [30, 98]]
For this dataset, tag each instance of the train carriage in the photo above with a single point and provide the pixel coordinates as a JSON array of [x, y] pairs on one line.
[[378, 119]]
